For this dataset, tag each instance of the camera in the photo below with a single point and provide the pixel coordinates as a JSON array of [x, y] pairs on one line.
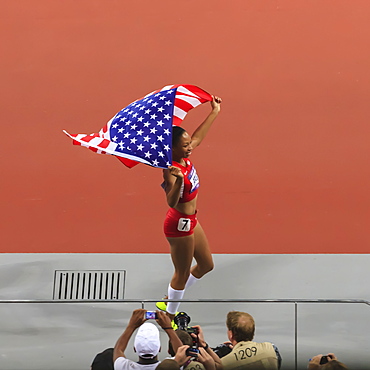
[[182, 320], [151, 315], [222, 350], [191, 351], [324, 360]]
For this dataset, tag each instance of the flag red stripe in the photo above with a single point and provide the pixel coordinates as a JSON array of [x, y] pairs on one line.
[[182, 104]]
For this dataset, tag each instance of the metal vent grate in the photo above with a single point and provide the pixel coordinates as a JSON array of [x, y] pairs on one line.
[[90, 284]]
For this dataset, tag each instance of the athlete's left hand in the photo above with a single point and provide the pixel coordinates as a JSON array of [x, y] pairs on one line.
[[216, 103]]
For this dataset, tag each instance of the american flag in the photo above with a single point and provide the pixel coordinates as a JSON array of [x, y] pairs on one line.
[[142, 131]]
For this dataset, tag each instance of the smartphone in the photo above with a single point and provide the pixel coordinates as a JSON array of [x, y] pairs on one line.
[[150, 315], [324, 360]]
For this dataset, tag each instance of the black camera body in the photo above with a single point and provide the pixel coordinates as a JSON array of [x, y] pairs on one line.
[[324, 360], [182, 321]]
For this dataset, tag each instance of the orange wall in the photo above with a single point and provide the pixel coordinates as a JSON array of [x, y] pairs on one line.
[[285, 168]]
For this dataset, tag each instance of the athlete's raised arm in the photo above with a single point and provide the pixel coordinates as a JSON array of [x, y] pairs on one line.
[[201, 132]]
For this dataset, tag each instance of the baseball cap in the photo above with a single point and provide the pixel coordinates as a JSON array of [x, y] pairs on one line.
[[147, 343]]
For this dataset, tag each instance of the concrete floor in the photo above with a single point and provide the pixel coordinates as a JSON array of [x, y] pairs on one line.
[[56, 336]]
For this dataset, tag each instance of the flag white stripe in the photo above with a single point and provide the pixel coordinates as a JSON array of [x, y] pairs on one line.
[[178, 112], [109, 150], [168, 87], [192, 101], [186, 91]]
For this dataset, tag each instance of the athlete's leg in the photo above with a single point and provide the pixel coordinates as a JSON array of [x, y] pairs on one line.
[[202, 253], [182, 250]]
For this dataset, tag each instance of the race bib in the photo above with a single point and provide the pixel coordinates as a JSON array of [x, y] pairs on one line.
[[184, 224]]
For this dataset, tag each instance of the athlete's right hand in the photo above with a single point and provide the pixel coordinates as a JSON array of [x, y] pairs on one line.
[[175, 171]]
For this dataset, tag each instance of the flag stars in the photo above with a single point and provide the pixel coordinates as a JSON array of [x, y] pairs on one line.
[[167, 131], [147, 138], [160, 138], [146, 124], [120, 130], [160, 123], [167, 148], [160, 109], [147, 111], [162, 97], [148, 154], [160, 154], [155, 162], [153, 116], [153, 130], [133, 140], [140, 132], [115, 125], [133, 127], [140, 147], [126, 135], [114, 138], [153, 146], [167, 116], [168, 102], [154, 104], [140, 119], [123, 119]]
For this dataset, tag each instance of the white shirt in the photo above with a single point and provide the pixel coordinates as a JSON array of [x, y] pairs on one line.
[[123, 363]]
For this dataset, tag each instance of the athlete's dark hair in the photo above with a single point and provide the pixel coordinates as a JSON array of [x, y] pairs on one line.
[[177, 132]]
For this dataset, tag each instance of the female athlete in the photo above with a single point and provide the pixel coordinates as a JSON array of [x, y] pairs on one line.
[[181, 227]]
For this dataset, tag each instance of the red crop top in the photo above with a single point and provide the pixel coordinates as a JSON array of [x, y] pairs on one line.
[[190, 185]]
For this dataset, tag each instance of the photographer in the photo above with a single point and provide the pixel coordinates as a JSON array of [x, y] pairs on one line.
[[203, 356], [326, 362], [147, 343], [245, 352]]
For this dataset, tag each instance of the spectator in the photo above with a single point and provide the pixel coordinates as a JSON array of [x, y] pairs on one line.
[[326, 362], [103, 360], [245, 352], [147, 343]]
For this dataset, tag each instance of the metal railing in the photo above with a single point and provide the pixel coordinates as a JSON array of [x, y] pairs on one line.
[[145, 301]]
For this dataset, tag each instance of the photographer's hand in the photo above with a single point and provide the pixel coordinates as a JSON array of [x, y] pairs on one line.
[[181, 358], [163, 320], [314, 362], [206, 359], [165, 323], [202, 343], [331, 357], [137, 318]]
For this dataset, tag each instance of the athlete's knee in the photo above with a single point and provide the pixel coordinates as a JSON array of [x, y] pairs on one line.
[[205, 268], [209, 267]]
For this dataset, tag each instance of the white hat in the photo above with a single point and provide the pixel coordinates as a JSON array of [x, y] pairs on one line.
[[147, 343]]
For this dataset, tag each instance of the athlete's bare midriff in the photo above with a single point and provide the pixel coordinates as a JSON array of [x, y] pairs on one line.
[[188, 208]]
